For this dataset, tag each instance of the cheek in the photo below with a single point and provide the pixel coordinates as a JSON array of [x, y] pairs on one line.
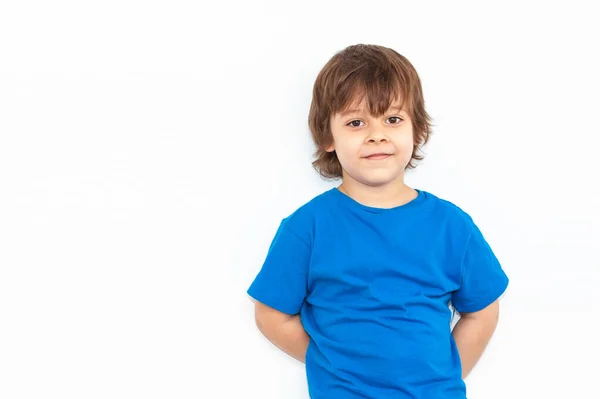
[[350, 147], [406, 142], [347, 153]]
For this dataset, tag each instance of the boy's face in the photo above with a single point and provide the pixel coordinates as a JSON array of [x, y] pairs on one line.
[[372, 151]]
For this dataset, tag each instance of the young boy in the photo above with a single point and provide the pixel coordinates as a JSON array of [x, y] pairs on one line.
[[359, 282]]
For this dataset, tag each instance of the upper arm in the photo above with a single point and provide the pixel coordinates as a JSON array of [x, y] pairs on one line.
[[282, 281], [266, 316], [489, 314], [482, 279]]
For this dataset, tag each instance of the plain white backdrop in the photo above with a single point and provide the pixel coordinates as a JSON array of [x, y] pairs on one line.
[[148, 151]]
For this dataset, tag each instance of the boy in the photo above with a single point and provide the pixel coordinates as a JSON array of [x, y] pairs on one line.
[[358, 282]]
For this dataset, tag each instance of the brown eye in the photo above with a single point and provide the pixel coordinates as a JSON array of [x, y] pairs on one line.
[[354, 123], [395, 120]]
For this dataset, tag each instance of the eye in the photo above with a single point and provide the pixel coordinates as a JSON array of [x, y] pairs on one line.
[[353, 123], [395, 120]]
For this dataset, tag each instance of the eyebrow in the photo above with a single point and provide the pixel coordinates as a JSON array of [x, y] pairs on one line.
[[352, 111]]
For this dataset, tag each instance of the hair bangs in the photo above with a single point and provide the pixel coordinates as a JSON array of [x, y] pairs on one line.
[[373, 88]]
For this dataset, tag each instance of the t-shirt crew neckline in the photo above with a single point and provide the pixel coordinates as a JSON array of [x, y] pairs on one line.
[[411, 205]]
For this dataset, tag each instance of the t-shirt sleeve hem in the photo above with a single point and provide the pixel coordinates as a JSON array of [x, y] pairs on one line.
[[483, 302], [274, 303]]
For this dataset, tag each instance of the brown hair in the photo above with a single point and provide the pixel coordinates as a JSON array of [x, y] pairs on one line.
[[380, 74]]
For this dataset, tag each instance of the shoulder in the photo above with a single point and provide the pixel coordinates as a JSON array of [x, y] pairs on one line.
[[449, 213], [302, 221]]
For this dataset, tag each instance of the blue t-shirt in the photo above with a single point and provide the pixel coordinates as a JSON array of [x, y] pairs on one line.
[[374, 287]]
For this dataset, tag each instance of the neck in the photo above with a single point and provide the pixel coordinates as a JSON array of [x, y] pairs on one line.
[[390, 195]]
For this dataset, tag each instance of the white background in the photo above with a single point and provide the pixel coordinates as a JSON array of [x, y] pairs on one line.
[[148, 151]]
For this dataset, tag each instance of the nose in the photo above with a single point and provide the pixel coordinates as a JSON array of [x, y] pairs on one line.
[[376, 136]]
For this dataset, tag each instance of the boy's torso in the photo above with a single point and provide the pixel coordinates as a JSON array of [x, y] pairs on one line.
[[377, 309]]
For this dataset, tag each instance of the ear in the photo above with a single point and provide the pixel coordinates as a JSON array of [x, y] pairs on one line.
[[331, 148]]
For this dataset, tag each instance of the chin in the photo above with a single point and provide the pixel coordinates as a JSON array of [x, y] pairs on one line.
[[375, 177], [377, 181]]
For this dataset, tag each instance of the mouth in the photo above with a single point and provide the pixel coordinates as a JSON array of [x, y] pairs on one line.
[[376, 157]]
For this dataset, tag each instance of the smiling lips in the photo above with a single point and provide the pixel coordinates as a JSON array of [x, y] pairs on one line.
[[379, 156]]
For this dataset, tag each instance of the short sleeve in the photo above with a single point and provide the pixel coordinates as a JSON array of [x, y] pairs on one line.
[[282, 281], [482, 280]]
